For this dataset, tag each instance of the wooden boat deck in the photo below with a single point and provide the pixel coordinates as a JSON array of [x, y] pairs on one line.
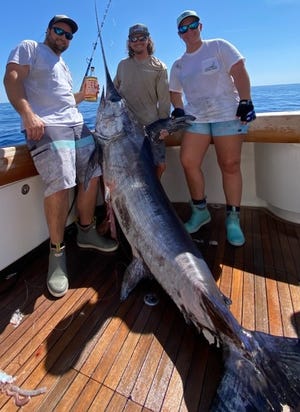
[[95, 353]]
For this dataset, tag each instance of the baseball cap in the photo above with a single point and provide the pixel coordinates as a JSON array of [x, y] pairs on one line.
[[138, 28], [186, 13], [64, 19]]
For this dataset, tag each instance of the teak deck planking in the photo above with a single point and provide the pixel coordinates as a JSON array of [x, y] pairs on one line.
[[95, 353]]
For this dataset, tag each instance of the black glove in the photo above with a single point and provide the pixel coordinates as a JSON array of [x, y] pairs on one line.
[[245, 111], [177, 112]]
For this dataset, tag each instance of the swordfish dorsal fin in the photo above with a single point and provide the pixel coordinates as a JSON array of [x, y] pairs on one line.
[[111, 92]]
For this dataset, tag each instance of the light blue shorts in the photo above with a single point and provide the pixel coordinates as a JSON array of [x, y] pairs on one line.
[[227, 128], [61, 156]]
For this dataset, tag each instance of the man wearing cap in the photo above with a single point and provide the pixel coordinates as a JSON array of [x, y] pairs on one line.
[[212, 76], [39, 86], [142, 80]]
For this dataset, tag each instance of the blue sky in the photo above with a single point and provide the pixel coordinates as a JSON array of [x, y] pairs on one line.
[[265, 31]]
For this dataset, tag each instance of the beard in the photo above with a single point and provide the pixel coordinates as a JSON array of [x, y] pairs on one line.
[[57, 46]]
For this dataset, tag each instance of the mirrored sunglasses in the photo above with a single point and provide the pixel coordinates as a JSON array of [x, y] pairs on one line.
[[61, 32], [134, 39], [192, 26]]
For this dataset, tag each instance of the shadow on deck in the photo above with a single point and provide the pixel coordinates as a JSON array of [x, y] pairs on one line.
[[95, 353]]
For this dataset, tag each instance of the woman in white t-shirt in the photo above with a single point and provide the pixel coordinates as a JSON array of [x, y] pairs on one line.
[[212, 78]]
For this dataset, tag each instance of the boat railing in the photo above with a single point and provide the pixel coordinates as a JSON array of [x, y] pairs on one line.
[[276, 127]]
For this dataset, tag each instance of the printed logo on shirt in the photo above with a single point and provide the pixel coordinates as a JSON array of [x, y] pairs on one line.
[[210, 66]]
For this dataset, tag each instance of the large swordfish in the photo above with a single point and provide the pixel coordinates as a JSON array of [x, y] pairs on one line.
[[261, 371]]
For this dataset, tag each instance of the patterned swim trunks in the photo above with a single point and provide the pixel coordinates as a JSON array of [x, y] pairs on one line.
[[61, 156]]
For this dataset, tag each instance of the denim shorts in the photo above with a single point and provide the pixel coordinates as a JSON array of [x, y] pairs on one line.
[[61, 156], [227, 128]]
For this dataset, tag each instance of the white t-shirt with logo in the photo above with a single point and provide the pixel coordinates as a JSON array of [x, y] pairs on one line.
[[203, 77]]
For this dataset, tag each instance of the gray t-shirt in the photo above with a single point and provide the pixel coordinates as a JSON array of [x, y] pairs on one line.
[[48, 86]]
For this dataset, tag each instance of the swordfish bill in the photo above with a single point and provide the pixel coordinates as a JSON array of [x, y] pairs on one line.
[[261, 371]]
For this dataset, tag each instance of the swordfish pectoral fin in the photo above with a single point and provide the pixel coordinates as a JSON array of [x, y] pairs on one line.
[[94, 161], [135, 272]]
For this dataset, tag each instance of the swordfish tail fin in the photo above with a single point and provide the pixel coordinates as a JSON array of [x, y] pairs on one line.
[[264, 381]]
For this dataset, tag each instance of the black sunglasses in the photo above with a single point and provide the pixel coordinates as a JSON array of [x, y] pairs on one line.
[[192, 26], [61, 32], [134, 39]]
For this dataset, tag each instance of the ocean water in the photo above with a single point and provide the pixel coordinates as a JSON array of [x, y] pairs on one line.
[[274, 98]]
